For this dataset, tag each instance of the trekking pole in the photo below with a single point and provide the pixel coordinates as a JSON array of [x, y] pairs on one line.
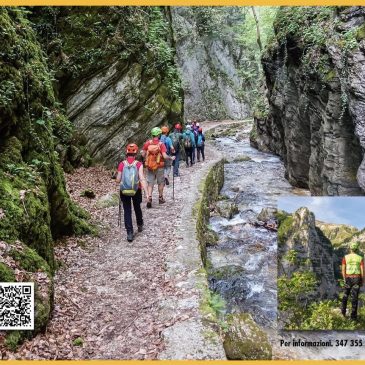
[[173, 180], [120, 214]]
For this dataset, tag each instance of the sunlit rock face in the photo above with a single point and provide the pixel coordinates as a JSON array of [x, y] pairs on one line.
[[210, 59], [317, 116]]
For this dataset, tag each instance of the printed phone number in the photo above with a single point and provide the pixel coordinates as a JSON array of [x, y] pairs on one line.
[[321, 343], [352, 343]]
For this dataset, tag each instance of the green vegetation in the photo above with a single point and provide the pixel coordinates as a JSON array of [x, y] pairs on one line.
[[29, 260], [285, 225], [81, 40], [311, 30], [293, 294], [253, 37], [6, 274], [78, 341]]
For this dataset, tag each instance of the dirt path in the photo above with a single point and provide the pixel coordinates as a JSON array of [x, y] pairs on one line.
[[108, 292]]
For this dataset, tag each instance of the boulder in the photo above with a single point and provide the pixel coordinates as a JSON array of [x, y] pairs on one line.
[[226, 209], [108, 200], [245, 340]]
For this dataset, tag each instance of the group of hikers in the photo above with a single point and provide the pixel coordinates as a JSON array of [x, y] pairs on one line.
[[163, 151]]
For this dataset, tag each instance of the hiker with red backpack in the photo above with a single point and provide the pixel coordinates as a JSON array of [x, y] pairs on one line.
[[154, 153], [131, 178], [166, 140], [200, 141]]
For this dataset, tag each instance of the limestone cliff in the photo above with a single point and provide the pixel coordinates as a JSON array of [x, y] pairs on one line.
[[210, 58], [115, 71], [315, 76], [302, 247]]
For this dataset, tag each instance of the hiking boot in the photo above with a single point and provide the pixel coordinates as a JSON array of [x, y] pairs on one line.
[[167, 182], [140, 228], [161, 200], [149, 202], [129, 236]]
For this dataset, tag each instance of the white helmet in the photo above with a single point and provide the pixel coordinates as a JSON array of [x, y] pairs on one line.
[[197, 124]]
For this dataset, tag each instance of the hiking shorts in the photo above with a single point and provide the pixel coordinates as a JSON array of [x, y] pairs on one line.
[[152, 176]]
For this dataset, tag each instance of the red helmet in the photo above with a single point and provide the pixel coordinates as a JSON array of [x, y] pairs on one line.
[[165, 130], [178, 126], [200, 129], [132, 148]]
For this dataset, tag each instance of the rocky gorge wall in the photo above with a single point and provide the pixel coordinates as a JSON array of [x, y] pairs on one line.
[[115, 73], [315, 73], [209, 59], [34, 205], [302, 247]]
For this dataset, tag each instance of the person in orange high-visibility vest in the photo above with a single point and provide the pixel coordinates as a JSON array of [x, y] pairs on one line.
[[353, 275]]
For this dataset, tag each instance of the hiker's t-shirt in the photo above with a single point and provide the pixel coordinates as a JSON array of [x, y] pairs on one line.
[[155, 141], [130, 160], [361, 263]]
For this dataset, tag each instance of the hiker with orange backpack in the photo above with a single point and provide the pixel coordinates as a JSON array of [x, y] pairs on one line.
[[131, 178], [154, 153]]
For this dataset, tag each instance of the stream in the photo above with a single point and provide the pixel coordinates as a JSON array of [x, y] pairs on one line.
[[243, 265]]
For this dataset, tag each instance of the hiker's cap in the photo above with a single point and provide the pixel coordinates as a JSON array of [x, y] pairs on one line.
[[354, 245], [132, 148], [156, 131], [200, 129], [165, 130]]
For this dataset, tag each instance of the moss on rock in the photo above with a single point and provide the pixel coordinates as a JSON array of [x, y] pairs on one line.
[[211, 187], [6, 273], [245, 340], [35, 206]]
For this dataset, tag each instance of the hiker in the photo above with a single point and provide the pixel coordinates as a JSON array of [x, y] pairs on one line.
[[131, 178], [176, 137], [154, 153], [166, 140], [194, 129], [353, 275], [189, 144], [200, 141]]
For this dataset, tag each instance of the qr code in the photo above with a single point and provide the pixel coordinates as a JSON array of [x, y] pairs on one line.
[[16, 306]]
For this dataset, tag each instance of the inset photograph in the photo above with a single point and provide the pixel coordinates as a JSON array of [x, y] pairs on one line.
[[321, 245]]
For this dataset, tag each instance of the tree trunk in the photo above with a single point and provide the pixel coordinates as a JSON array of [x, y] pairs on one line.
[[258, 38]]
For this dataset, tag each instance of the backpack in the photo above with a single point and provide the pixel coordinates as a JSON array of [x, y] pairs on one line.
[[163, 139], [175, 138], [200, 140], [187, 141], [130, 179], [154, 159]]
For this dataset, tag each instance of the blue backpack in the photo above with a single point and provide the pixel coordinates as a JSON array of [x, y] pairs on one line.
[[200, 140], [130, 179], [164, 140]]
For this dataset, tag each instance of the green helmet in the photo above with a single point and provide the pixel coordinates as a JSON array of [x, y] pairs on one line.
[[354, 245], [156, 131]]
